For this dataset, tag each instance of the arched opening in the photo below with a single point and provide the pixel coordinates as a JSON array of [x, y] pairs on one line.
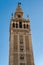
[[20, 24], [13, 25], [24, 26], [16, 25], [27, 26]]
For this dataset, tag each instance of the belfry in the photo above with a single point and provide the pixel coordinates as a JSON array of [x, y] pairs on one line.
[[21, 52]]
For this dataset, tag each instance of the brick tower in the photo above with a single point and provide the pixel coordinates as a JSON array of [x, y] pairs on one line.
[[20, 40]]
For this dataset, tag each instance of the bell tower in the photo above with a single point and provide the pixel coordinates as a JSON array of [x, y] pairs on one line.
[[20, 40]]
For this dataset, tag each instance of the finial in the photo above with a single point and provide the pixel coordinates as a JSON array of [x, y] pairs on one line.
[[19, 3], [12, 14], [28, 16]]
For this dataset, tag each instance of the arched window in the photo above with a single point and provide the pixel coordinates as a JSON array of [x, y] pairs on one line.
[[21, 56], [21, 48], [13, 24], [16, 25]]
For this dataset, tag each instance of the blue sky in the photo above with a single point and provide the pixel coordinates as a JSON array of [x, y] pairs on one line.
[[33, 8]]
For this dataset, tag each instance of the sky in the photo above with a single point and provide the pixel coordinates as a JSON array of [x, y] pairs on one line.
[[33, 8]]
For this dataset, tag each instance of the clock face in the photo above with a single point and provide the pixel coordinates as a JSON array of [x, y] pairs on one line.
[[19, 16]]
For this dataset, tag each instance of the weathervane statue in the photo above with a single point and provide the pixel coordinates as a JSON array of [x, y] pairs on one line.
[[19, 3]]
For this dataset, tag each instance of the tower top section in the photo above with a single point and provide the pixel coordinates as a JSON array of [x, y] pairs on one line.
[[18, 13]]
